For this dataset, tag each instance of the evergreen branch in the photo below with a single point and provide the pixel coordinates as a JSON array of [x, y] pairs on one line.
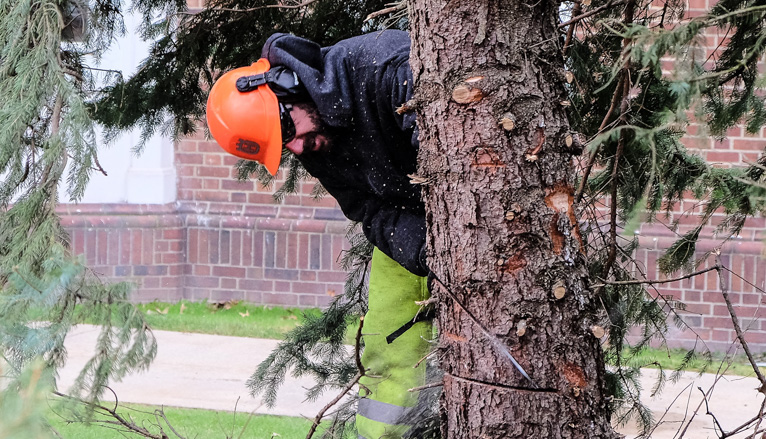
[[654, 282], [592, 160], [361, 371], [735, 322], [98, 165], [710, 18], [590, 13]]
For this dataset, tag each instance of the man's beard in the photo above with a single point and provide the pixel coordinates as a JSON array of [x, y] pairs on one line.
[[321, 130], [312, 139]]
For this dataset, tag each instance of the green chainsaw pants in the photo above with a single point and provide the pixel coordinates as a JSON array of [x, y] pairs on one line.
[[385, 398]]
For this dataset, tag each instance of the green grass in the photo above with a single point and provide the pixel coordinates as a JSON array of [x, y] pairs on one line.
[[234, 318], [230, 318], [190, 423]]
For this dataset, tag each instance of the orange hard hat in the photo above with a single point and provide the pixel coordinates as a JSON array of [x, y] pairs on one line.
[[246, 123]]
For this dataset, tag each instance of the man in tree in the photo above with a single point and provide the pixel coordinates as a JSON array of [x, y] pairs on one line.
[[335, 108]]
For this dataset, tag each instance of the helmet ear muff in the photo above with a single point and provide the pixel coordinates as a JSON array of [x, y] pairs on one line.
[[286, 85], [282, 81]]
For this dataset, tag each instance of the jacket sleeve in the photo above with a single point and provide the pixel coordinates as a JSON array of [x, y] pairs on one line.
[[396, 229]]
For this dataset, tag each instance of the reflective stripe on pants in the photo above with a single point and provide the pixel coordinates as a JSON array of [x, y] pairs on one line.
[[392, 294]]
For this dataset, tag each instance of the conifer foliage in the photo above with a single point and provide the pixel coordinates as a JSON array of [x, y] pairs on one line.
[[47, 140]]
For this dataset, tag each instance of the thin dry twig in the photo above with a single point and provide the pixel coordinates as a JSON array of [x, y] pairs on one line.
[[654, 282], [667, 410], [298, 6], [754, 420], [98, 165], [321, 413], [426, 386], [424, 358], [570, 31], [120, 420], [612, 255], [358, 347], [592, 158], [161, 414], [589, 13], [396, 8], [708, 412], [735, 322], [359, 374], [683, 431]]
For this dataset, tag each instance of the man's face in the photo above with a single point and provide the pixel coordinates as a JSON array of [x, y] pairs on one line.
[[310, 136]]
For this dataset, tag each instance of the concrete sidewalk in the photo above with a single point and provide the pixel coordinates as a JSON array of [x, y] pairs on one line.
[[209, 371], [197, 371]]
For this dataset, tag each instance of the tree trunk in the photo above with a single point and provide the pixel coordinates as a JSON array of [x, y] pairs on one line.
[[503, 235]]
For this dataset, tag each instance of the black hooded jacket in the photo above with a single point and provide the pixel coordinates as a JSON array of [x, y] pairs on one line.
[[357, 84]]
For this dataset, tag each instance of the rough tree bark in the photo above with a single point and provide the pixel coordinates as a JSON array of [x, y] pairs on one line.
[[496, 156]]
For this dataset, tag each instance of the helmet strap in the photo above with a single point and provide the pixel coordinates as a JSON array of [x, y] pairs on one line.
[[281, 80], [250, 83]]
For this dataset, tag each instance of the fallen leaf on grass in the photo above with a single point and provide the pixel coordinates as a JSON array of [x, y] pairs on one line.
[[164, 311], [245, 314], [223, 305], [183, 308]]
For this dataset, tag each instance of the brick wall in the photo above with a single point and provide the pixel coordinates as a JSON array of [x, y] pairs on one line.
[[702, 306], [223, 239], [141, 243]]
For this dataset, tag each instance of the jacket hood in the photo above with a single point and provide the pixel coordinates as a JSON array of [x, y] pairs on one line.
[[325, 71]]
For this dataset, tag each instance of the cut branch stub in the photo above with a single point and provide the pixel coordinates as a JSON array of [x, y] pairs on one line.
[[559, 290], [407, 107], [597, 331], [465, 94], [521, 328], [507, 123]]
